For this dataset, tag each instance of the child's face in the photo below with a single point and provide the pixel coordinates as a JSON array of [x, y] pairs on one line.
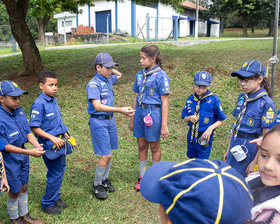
[[106, 72], [269, 160], [10, 103], [200, 90], [49, 88], [250, 85], [147, 62]]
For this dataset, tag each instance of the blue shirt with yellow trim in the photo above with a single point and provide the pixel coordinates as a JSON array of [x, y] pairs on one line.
[[157, 84], [259, 113], [211, 111], [45, 114], [100, 88]]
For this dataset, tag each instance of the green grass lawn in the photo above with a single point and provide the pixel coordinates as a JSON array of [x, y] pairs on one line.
[[180, 63]]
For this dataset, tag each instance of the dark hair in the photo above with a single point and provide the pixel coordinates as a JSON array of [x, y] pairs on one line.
[[276, 128], [152, 51], [43, 75], [99, 65], [265, 83]]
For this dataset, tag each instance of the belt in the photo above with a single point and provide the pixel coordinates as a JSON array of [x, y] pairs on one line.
[[102, 117], [242, 134], [145, 106]]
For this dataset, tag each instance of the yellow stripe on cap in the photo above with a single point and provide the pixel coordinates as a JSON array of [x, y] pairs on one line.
[[221, 199], [249, 65], [213, 164], [188, 189], [183, 163]]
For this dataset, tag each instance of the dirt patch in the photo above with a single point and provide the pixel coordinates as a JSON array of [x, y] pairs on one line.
[[25, 81]]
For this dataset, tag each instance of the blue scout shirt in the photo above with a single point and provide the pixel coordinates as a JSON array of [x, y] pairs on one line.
[[13, 127], [259, 113], [45, 114], [211, 111], [157, 84], [276, 120], [100, 88]]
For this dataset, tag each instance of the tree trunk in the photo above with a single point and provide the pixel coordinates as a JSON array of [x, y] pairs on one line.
[[31, 57], [244, 25], [253, 27], [271, 29], [42, 23], [222, 20]]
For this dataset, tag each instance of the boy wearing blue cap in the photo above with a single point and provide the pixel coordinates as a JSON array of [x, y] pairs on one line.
[[198, 191], [47, 124], [203, 113], [14, 133], [100, 98], [254, 113]]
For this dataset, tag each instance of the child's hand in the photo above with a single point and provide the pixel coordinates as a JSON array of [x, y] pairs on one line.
[[4, 185], [130, 126], [258, 141], [164, 132], [57, 141], [206, 135], [36, 152], [129, 111], [193, 118]]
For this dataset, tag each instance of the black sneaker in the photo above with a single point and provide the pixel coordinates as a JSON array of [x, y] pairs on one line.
[[16, 221], [99, 192], [61, 204], [108, 186], [54, 210]]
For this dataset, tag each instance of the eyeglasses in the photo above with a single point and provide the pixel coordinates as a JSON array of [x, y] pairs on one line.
[[198, 86], [246, 81]]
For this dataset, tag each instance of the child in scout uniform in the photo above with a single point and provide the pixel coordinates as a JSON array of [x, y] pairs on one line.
[[197, 191], [47, 124], [265, 183], [14, 133], [203, 113], [100, 98], [149, 124], [3, 178], [254, 113]]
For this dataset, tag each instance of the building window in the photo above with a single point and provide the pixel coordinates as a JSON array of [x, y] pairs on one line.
[[68, 23]]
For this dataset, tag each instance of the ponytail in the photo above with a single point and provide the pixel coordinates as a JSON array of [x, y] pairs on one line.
[[266, 85], [152, 51]]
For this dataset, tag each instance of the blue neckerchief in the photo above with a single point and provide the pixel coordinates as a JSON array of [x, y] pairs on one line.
[[147, 70], [207, 93], [253, 95], [262, 193]]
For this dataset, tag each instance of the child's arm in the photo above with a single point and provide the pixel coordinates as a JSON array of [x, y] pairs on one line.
[[4, 183], [191, 118], [117, 73], [211, 128], [164, 105], [130, 127], [129, 111], [57, 141], [36, 152]]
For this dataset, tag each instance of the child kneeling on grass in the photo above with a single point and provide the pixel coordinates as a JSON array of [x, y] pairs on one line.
[[265, 183], [46, 122], [203, 113], [14, 133], [197, 191]]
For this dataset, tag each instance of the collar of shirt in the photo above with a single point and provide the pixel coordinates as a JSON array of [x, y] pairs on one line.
[[253, 95], [101, 77], [147, 70], [44, 96], [208, 92], [10, 113]]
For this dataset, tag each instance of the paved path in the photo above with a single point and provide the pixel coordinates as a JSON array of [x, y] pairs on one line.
[[175, 43]]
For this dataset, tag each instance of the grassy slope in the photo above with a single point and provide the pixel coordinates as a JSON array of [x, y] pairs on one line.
[[180, 63]]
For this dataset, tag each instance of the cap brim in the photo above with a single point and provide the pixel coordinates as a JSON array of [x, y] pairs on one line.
[[242, 73], [17, 93], [150, 183], [201, 83], [110, 64]]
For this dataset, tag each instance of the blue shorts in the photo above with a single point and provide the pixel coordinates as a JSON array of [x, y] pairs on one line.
[[17, 170], [242, 165], [152, 133], [195, 150], [104, 135]]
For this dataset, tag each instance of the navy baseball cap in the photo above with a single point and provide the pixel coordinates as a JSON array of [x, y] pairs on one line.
[[202, 78], [198, 191], [105, 59], [250, 68], [10, 88]]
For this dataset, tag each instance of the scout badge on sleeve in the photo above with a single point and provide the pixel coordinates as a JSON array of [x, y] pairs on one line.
[[53, 152]]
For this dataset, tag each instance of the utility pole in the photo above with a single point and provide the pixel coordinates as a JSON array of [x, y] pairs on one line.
[[196, 21]]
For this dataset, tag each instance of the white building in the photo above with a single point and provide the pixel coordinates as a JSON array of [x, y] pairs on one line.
[[152, 21]]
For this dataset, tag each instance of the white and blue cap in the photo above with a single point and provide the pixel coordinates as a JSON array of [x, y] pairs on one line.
[[10, 88], [198, 191], [250, 68], [202, 78], [105, 59]]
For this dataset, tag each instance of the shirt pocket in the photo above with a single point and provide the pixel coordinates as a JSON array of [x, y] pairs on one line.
[[15, 138], [50, 121], [206, 118], [150, 89], [252, 120]]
